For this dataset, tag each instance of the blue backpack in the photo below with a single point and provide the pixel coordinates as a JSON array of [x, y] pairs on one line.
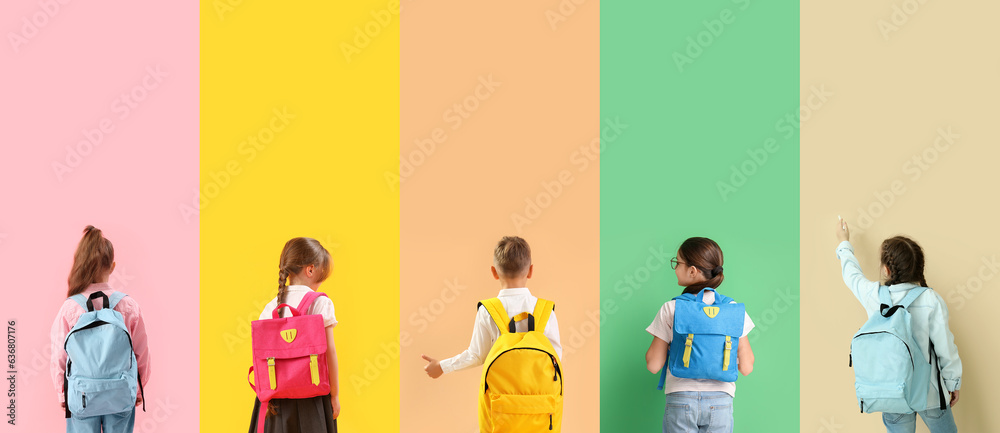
[[891, 374], [706, 338], [101, 371]]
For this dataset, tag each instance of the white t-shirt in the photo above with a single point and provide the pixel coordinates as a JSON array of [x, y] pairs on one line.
[[485, 331], [293, 296], [663, 328]]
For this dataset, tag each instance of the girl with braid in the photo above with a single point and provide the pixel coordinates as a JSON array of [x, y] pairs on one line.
[[303, 266], [902, 266]]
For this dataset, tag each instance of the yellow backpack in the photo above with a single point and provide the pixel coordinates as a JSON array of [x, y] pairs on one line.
[[521, 389]]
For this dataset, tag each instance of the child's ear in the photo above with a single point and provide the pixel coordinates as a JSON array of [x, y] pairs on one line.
[[885, 271], [113, 266], [530, 269], [493, 269], [310, 270]]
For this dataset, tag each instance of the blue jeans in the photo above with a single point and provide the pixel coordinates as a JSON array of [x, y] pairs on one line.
[[937, 420], [698, 412], [122, 422]]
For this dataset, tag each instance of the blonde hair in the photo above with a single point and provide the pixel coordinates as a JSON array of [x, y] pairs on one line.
[[512, 256]]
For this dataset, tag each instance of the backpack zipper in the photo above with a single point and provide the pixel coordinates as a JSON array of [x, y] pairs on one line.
[[84, 395], [486, 386], [550, 421], [912, 365]]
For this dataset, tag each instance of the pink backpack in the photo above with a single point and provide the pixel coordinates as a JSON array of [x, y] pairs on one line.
[[289, 356]]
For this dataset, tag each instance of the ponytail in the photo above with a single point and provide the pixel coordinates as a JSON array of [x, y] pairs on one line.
[[706, 256], [94, 255]]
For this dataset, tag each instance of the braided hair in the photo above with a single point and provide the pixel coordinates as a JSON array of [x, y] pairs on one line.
[[904, 259], [297, 254]]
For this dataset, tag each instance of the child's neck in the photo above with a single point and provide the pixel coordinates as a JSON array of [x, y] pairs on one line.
[[513, 284]]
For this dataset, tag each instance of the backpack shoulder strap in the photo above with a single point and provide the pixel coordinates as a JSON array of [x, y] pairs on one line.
[[80, 299], [912, 296], [115, 298], [497, 312], [883, 295], [307, 301], [543, 309]]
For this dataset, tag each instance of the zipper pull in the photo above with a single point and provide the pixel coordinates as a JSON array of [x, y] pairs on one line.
[[550, 421], [850, 360], [555, 372], [84, 396]]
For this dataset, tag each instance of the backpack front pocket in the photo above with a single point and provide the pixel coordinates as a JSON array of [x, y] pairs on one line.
[[882, 397], [92, 397], [525, 413], [298, 377]]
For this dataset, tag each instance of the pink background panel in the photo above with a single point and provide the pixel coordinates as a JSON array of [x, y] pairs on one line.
[[131, 67]]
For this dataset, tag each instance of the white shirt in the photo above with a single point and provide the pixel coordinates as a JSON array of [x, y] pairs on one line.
[[663, 328], [485, 332], [928, 319], [293, 296]]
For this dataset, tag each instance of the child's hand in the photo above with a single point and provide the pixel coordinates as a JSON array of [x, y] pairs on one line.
[[62, 405], [843, 232], [954, 398], [335, 402], [138, 399], [433, 367]]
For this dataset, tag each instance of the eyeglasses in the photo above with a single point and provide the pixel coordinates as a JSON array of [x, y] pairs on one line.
[[674, 262]]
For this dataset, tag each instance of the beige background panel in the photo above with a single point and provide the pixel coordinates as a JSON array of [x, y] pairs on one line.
[[907, 144], [517, 162]]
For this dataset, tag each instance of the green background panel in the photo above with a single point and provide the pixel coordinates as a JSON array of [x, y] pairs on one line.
[[711, 149]]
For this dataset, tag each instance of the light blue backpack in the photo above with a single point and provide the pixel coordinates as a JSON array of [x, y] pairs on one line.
[[101, 371], [891, 374], [706, 338]]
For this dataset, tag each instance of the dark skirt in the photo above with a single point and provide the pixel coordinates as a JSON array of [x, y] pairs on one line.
[[296, 415]]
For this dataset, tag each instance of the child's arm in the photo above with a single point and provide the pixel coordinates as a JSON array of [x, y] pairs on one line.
[[744, 356], [551, 332], [479, 347], [945, 349], [57, 358], [864, 289], [331, 361], [656, 355]]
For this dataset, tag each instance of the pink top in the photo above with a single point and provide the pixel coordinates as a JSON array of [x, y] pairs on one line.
[[68, 315]]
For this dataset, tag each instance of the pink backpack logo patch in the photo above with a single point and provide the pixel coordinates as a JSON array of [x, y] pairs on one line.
[[289, 356]]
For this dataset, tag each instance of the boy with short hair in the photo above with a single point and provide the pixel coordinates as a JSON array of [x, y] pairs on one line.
[[512, 267]]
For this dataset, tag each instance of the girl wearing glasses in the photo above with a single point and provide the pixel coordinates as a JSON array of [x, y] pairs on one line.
[[696, 405]]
